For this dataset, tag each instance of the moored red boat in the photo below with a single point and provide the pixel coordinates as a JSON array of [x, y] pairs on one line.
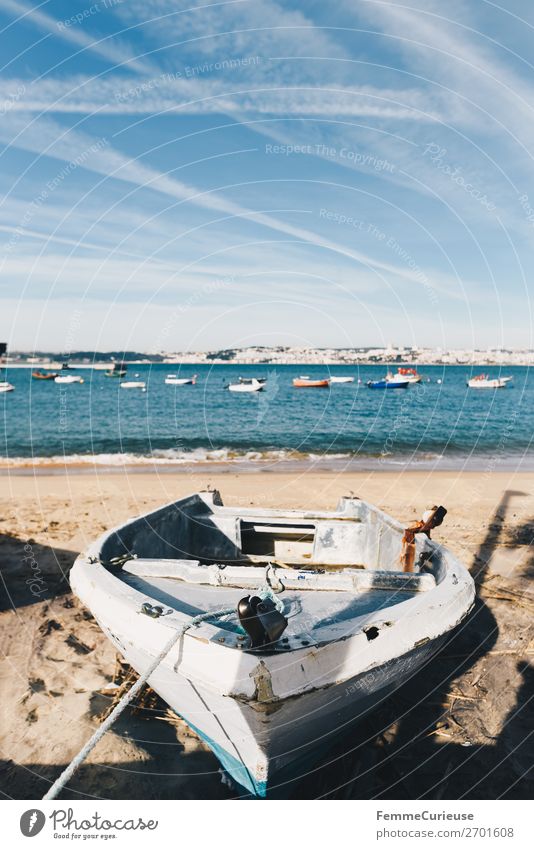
[[409, 374], [43, 375], [305, 381]]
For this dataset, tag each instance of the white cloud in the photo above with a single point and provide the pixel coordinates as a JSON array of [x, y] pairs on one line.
[[45, 137], [108, 48]]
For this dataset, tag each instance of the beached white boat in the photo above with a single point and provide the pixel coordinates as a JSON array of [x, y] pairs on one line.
[[341, 379], [247, 385], [134, 384], [5, 386], [173, 380], [323, 619], [483, 381], [68, 378]]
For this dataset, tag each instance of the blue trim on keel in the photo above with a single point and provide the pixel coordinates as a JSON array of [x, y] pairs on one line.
[[234, 767]]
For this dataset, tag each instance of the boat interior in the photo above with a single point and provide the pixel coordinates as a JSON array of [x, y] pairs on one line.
[[328, 571]]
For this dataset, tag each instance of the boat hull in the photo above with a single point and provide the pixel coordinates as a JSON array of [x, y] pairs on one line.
[[267, 714], [68, 379], [387, 384], [263, 747], [498, 383], [311, 384], [246, 387], [134, 384]]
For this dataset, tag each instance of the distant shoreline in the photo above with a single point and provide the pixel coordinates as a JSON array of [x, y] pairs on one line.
[[98, 364]]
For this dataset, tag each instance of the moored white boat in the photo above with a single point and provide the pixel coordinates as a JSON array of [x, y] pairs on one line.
[[133, 384], [314, 646], [409, 374], [68, 378], [5, 386], [173, 380], [251, 384], [483, 381], [341, 379]]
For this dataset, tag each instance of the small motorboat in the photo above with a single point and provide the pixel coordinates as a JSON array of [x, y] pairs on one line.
[[44, 375], [259, 379], [173, 380], [133, 384], [483, 381], [117, 370], [409, 374], [304, 381], [68, 378], [341, 379], [281, 628], [390, 381], [247, 384], [6, 386]]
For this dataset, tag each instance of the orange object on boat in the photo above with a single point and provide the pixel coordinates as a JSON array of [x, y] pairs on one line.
[[307, 381]]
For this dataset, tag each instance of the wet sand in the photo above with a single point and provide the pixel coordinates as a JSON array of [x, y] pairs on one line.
[[462, 728]]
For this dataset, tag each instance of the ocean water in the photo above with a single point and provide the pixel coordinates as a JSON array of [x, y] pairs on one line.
[[439, 423]]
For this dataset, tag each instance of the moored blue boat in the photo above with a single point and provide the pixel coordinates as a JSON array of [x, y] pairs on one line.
[[387, 384]]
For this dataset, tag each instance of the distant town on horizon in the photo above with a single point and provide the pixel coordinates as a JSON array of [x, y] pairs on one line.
[[282, 355]]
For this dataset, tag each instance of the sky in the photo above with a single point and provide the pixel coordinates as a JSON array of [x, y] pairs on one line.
[[190, 176]]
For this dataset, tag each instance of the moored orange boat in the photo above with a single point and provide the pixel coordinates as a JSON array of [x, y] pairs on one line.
[[42, 375], [308, 381]]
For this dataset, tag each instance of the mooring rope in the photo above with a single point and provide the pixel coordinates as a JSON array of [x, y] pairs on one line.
[[78, 759]]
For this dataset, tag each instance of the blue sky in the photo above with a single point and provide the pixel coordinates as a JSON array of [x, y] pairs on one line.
[[184, 175]]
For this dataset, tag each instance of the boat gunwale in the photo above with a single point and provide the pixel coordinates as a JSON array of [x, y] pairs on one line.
[[441, 597]]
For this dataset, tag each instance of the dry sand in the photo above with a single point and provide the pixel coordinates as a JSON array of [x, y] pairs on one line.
[[462, 728]]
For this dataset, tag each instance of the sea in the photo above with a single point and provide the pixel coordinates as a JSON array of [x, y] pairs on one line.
[[436, 424]]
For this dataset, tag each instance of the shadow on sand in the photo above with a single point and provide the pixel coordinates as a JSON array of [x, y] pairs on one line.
[[31, 573], [396, 753], [163, 768]]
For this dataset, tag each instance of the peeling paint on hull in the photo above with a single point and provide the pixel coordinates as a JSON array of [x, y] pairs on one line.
[[267, 715]]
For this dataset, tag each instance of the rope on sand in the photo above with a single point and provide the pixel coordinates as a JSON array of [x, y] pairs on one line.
[[78, 759]]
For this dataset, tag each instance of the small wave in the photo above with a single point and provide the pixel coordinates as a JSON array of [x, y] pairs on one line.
[[272, 460], [162, 457]]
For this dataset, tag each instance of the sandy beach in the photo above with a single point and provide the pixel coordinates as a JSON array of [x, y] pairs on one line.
[[460, 729]]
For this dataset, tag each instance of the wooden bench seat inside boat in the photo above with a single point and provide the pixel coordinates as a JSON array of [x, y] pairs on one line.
[[355, 580]]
